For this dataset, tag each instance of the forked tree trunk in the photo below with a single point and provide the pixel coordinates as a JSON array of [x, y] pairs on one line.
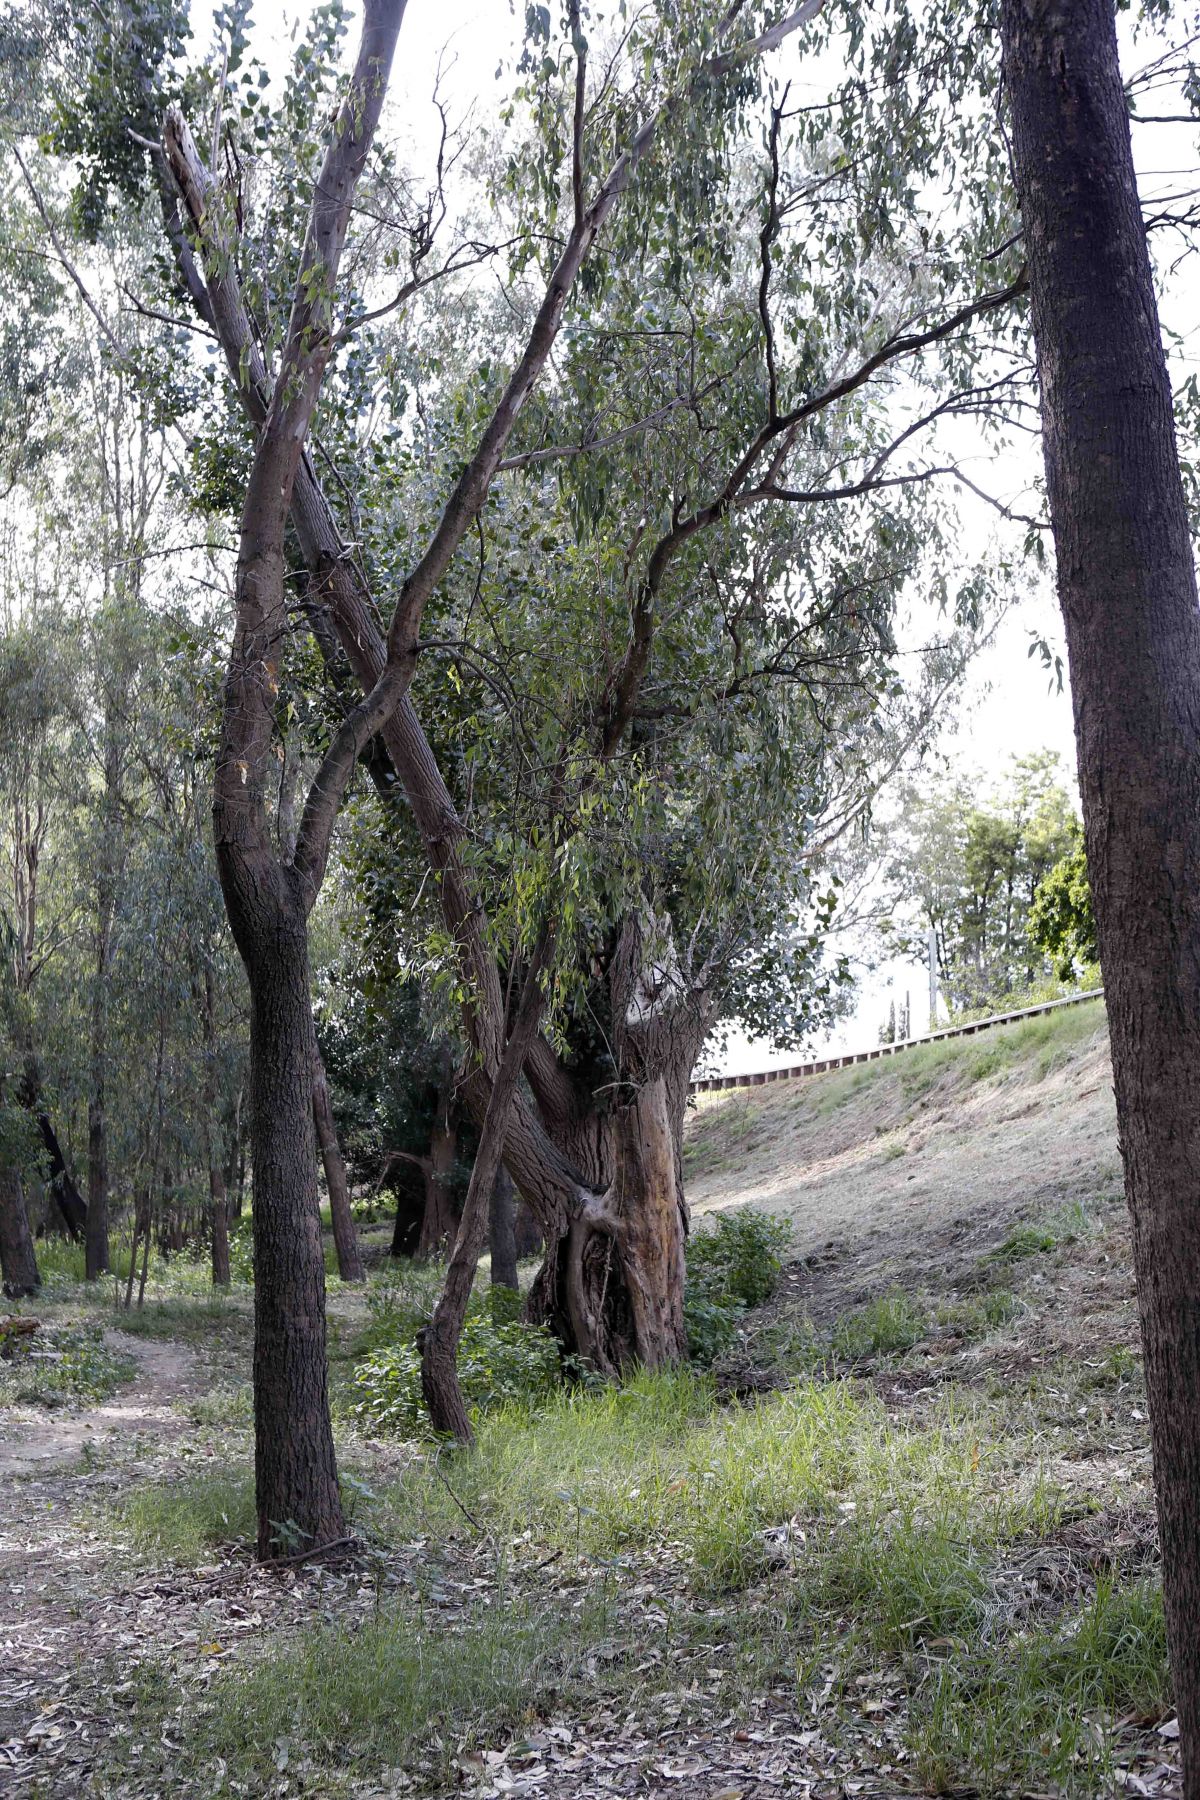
[[345, 1237], [299, 1506], [18, 1259], [1127, 584]]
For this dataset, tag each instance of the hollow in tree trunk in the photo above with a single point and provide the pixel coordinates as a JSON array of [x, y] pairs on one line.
[[1127, 585]]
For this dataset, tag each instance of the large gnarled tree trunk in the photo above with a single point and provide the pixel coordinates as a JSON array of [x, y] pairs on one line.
[[1128, 590]]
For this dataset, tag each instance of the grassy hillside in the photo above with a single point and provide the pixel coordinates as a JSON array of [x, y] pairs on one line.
[[894, 1172]]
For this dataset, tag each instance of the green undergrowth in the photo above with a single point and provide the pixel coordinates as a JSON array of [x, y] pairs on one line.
[[504, 1361], [186, 1521], [822, 1543], [61, 1366], [1045, 1707]]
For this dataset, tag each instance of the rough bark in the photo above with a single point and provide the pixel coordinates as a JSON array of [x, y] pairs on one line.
[[296, 1472], [502, 1230], [440, 1339], [1128, 591], [345, 1237], [18, 1259]]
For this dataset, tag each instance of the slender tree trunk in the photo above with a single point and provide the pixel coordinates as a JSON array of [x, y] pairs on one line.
[[217, 1194], [63, 1192], [96, 1227], [145, 1266], [218, 1224], [502, 1230], [440, 1339], [141, 1223], [296, 1467], [1128, 590], [18, 1259], [345, 1237]]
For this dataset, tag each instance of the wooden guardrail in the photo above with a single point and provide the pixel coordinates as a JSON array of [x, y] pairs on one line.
[[712, 1083]]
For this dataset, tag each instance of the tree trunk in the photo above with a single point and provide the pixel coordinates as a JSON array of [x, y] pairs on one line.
[[297, 1487], [1128, 590], [217, 1193], [440, 1339], [219, 1225], [410, 1210], [18, 1259], [345, 1237], [439, 1222], [59, 1184], [96, 1224], [502, 1230]]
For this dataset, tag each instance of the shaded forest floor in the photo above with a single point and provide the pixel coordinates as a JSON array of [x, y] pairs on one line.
[[900, 1543]]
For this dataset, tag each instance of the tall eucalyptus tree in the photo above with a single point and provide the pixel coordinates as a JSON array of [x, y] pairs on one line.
[[1127, 584]]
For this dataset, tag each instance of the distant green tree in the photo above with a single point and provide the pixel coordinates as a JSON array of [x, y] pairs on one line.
[[970, 868], [1061, 920]]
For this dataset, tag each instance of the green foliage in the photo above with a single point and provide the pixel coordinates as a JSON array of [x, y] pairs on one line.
[[730, 1268], [500, 1363], [1061, 920], [61, 1366], [184, 1521]]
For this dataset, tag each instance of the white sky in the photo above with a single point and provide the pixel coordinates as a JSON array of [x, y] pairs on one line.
[[1008, 709]]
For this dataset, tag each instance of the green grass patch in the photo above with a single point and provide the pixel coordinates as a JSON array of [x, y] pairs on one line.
[[1039, 1709], [186, 1521], [891, 1323]]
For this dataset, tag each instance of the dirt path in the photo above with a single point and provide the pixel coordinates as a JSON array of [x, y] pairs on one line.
[[32, 1441], [61, 1612]]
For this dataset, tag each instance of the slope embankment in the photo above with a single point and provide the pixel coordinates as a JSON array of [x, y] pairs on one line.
[[896, 1171]]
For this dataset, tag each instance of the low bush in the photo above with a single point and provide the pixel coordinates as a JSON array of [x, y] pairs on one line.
[[66, 1367], [730, 1269], [501, 1362]]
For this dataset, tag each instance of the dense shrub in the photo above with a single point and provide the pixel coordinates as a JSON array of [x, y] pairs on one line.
[[728, 1270], [499, 1364]]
